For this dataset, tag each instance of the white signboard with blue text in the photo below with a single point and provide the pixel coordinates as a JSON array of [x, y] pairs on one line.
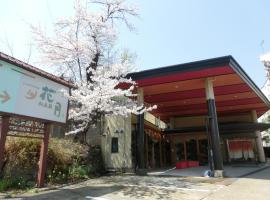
[[28, 94]]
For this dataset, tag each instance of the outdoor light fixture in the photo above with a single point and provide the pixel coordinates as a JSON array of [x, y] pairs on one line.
[[120, 130]]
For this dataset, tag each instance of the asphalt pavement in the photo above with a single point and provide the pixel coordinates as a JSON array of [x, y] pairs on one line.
[[253, 187]]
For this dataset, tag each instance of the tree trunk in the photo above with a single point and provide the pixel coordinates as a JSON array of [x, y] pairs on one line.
[[93, 65]]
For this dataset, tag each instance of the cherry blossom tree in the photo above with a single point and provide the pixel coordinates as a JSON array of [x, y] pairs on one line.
[[265, 59], [80, 48], [103, 96]]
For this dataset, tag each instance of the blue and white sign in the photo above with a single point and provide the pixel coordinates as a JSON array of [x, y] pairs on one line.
[[28, 94]]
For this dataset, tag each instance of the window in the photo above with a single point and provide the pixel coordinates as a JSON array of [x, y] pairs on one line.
[[114, 145]]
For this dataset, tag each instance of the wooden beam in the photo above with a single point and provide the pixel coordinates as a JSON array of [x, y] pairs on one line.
[[3, 136], [185, 149], [140, 135], [43, 156], [25, 136], [172, 150], [146, 152], [198, 149], [160, 153]]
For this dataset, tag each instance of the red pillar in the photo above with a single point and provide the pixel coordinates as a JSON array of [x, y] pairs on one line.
[[43, 156], [3, 136]]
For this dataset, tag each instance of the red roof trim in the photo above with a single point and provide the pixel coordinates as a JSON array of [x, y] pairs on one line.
[[221, 111], [197, 93], [185, 76], [204, 105], [260, 112]]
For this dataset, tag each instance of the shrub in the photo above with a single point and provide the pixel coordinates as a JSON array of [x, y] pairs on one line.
[[66, 161], [21, 157], [16, 183], [79, 171]]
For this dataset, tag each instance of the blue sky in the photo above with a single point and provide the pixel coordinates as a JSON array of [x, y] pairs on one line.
[[168, 32]]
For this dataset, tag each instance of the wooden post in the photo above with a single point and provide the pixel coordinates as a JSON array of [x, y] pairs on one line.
[[43, 156], [173, 154], [198, 149], [140, 136], [146, 152], [160, 153], [153, 155], [185, 149], [3, 136]]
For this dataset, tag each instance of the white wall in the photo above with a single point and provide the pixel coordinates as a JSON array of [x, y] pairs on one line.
[[112, 128]]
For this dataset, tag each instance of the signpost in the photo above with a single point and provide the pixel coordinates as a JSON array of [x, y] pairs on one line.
[[27, 94], [30, 95]]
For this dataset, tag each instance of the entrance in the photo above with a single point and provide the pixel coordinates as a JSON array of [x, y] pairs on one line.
[[166, 154], [192, 151], [180, 151], [153, 152], [241, 150], [187, 150], [203, 151]]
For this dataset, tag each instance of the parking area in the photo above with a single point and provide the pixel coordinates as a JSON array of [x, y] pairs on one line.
[[231, 171], [253, 186], [133, 187]]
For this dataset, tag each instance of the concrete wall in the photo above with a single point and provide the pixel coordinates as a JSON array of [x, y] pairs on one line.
[[102, 133], [94, 134], [120, 127], [188, 121]]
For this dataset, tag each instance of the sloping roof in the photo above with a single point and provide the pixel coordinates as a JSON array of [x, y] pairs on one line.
[[178, 90], [33, 69]]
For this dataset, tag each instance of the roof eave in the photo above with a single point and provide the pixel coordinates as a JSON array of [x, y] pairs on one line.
[[197, 65], [191, 66], [239, 70]]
